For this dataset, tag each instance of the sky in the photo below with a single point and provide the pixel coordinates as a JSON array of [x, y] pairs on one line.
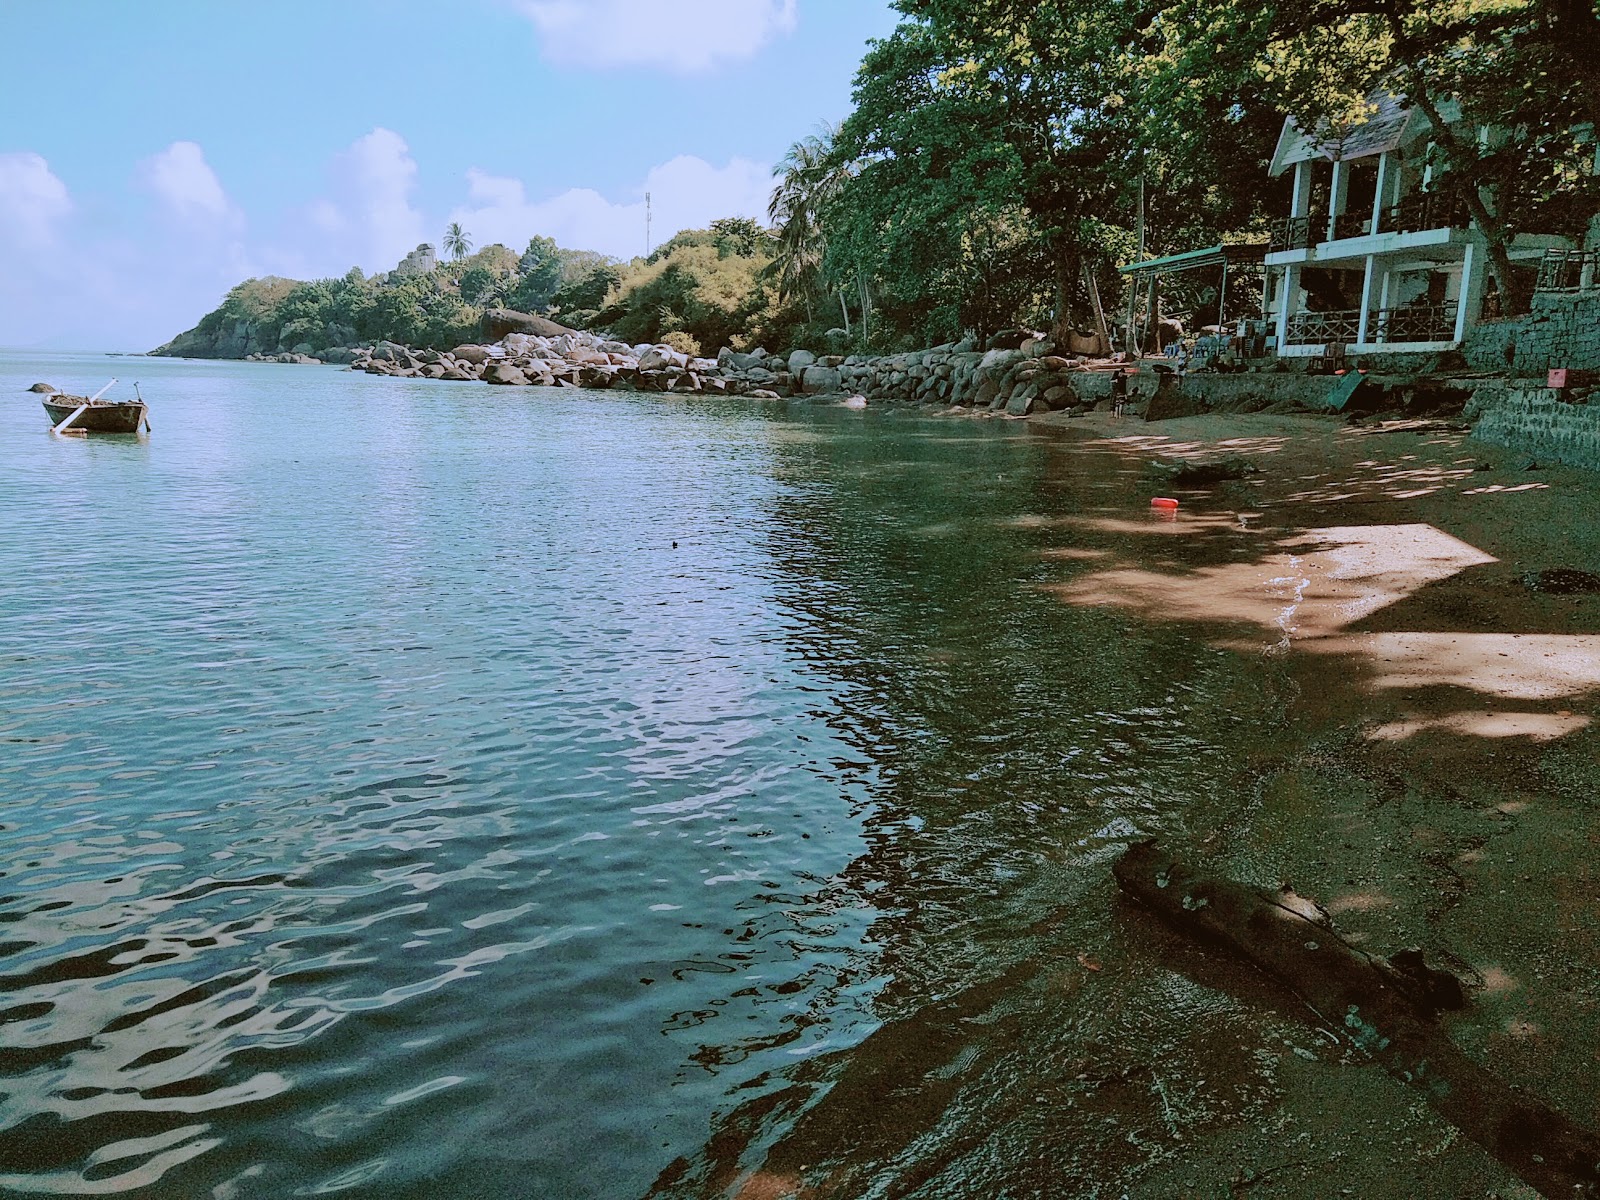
[[153, 155]]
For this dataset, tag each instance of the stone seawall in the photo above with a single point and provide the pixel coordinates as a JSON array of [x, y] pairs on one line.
[[1563, 330], [1539, 421]]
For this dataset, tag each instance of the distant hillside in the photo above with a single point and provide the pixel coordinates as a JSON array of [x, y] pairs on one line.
[[702, 289], [422, 302]]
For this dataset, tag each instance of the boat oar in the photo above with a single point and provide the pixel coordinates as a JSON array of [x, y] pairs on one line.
[[145, 415], [76, 413], [102, 391]]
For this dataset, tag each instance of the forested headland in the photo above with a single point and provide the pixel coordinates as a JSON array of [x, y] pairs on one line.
[[1003, 158]]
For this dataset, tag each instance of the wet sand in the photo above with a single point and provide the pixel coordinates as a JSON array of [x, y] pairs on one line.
[[1447, 800], [1429, 779]]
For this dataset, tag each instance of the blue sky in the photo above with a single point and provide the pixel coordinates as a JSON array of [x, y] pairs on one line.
[[153, 155]]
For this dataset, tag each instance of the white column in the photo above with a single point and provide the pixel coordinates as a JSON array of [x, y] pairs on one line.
[[1388, 177], [1338, 196], [1291, 284], [1470, 301], [1300, 200], [1368, 279], [1385, 294]]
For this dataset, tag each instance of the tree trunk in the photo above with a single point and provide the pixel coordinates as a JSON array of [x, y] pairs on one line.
[[846, 311], [1068, 268], [1513, 297], [1387, 1009]]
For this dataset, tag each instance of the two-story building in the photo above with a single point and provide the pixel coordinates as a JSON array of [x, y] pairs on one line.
[[1379, 252]]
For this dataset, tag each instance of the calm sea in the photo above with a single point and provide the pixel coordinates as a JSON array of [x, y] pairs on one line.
[[411, 789]]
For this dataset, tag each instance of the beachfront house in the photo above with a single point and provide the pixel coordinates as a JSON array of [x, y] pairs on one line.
[[1378, 252]]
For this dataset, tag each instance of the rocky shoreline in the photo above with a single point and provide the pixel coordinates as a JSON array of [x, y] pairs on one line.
[[1031, 377]]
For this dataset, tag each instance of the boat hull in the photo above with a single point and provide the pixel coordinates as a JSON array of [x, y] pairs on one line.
[[100, 417]]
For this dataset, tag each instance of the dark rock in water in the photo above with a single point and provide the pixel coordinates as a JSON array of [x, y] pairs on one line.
[[1561, 581], [44, 389], [1204, 474]]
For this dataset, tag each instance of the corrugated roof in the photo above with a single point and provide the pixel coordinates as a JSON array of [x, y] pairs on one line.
[[1384, 130], [1191, 260]]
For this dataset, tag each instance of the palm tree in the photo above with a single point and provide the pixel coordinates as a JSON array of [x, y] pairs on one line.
[[456, 241], [809, 177]]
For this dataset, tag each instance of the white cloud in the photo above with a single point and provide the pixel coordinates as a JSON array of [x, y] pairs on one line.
[[369, 219], [681, 35], [32, 199], [685, 193], [183, 181]]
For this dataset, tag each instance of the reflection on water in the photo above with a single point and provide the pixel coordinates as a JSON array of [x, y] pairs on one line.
[[394, 811]]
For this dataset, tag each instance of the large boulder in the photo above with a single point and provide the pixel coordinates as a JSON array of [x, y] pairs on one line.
[[44, 389], [799, 360], [659, 358], [497, 322], [815, 380], [504, 373], [477, 355]]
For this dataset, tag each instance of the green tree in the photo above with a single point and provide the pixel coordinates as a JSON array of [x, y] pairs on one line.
[[809, 178], [737, 235], [539, 272], [456, 242]]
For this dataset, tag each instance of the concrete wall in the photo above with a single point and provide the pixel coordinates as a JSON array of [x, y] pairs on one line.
[[1563, 330], [1536, 420]]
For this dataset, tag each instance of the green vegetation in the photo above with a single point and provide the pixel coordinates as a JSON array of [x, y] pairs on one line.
[[1003, 152], [1005, 156]]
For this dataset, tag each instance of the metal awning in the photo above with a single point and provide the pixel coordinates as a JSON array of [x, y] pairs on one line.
[[1233, 256]]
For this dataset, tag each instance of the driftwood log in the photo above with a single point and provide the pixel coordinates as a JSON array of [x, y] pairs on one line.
[[1388, 1008]]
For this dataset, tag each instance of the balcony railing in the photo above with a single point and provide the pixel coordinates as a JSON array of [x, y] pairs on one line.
[[1352, 224], [1316, 328], [1568, 271], [1418, 323], [1425, 210], [1295, 233]]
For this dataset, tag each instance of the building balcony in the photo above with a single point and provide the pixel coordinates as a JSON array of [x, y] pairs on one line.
[[1417, 323], [1414, 214], [1425, 210], [1294, 233], [1339, 326], [1423, 323]]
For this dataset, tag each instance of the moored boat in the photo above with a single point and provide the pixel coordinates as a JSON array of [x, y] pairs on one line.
[[91, 414]]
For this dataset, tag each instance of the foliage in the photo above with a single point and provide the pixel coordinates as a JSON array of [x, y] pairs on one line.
[[682, 342], [739, 236], [694, 286], [456, 241], [809, 179]]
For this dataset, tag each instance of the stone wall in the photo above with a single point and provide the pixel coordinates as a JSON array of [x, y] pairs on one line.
[[1539, 421], [1563, 330]]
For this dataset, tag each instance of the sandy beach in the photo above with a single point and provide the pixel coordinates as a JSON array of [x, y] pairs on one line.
[[1442, 792]]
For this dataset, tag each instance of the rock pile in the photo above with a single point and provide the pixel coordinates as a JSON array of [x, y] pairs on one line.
[[574, 359], [1031, 378]]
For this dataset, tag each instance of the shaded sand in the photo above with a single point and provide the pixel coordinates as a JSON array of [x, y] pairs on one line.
[[1451, 800]]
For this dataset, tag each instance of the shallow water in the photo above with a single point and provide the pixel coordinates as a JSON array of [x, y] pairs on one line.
[[419, 789]]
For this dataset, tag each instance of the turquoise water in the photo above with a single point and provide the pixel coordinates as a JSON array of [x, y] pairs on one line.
[[416, 789]]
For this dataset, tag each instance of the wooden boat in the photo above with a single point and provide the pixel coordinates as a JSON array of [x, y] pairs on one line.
[[90, 414]]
